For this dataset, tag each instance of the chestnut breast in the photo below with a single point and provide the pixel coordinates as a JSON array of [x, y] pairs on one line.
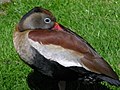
[[22, 46]]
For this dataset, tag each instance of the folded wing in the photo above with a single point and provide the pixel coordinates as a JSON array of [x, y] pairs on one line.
[[69, 50]]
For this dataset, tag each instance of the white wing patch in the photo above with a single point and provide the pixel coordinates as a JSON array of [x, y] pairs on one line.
[[56, 53]]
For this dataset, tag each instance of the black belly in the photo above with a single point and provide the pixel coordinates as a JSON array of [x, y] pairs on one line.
[[51, 72], [54, 69]]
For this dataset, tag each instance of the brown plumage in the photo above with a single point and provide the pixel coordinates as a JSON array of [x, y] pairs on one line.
[[61, 38], [56, 51]]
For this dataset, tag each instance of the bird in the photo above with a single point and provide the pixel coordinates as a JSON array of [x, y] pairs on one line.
[[57, 52]]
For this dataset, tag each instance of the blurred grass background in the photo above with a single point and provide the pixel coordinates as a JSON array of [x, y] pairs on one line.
[[97, 21]]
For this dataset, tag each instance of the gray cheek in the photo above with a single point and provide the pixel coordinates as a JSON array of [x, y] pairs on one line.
[[48, 25], [40, 25]]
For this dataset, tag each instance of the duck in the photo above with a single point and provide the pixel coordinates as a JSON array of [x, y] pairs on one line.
[[57, 52]]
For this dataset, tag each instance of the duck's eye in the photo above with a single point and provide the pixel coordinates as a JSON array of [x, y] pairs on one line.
[[47, 20]]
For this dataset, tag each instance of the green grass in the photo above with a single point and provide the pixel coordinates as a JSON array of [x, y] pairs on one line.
[[98, 21]]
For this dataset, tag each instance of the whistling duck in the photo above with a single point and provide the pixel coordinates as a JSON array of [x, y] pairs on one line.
[[56, 51]]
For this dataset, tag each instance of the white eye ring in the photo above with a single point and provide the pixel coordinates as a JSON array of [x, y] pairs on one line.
[[47, 20]]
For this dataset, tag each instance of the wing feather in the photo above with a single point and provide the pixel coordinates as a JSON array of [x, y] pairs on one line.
[[70, 41]]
